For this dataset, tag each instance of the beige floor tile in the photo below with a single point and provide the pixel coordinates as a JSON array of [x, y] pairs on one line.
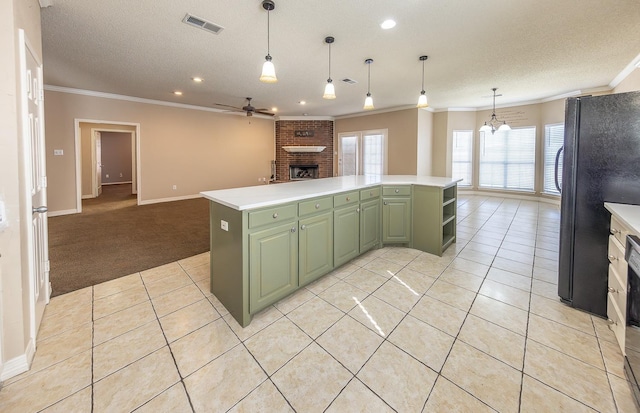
[[424, 342], [495, 383], [550, 255], [570, 376], [311, 380], [547, 264], [499, 313], [177, 299], [119, 323], [513, 266], [365, 280], [217, 386], [565, 339], [447, 397], [543, 274], [173, 400], [118, 285], [427, 267], [79, 402], [452, 294], [623, 395], [487, 249], [149, 377], [462, 279], [523, 240], [203, 345], [477, 256], [294, 301], [506, 294], [383, 267], [48, 386], [188, 319], [343, 295], [69, 302], [205, 286], [520, 257], [556, 311], [199, 273], [603, 330], [344, 270], [350, 343], [322, 283], [123, 350], [402, 381], [195, 261], [489, 230], [62, 321], [220, 308], [315, 316], [613, 358], [544, 289], [538, 397], [402, 256], [417, 281], [158, 273], [266, 398], [440, 315], [378, 316], [471, 267], [510, 278], [260, 321], [496, 341], [119, 301], [357, 398], [483, 239], [525, 249], [167, 284], [275, 345]]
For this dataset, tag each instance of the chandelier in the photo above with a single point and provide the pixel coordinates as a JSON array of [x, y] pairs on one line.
[[494, 122]]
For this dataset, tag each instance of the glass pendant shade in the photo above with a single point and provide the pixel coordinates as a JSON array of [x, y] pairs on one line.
[[422, 100], [368, 102], [504, 127], [329, 90], [485, 128], [268, 72]]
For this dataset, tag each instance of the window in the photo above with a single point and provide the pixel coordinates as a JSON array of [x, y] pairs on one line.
[[362, 153], [508, 159], [553, 141], [462, 157]]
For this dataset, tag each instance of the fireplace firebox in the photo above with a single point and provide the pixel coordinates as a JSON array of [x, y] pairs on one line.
[[300, 172]]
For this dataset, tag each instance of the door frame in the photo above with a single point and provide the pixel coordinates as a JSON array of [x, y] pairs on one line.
[[359, 148], [94, 159], [136, 184]]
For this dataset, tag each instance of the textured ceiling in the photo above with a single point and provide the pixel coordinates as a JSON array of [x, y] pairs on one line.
[[529, 49]]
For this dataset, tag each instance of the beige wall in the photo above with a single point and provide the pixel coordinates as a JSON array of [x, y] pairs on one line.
[[440, 146], [14, 282], [402, 140], [115, 157], [630, 83], [425, 142], [192, 149]]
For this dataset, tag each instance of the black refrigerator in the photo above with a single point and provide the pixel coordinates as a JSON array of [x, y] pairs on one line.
[[601, 163]]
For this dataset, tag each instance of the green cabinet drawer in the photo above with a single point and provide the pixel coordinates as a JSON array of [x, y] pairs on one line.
[[370, 193], [346, 198], [396, 191], [272, 215], [314, 206]]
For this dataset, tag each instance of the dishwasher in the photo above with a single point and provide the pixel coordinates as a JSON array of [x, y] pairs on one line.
[[632, 329]]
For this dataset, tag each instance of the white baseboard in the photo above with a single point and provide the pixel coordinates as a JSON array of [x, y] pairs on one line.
[[62, 212], [88, 196], [533, 197], [116, 183], [19, 364], [178, 198]]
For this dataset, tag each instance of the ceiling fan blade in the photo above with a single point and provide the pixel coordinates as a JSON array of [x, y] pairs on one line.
[[227, 106], [264, 113]]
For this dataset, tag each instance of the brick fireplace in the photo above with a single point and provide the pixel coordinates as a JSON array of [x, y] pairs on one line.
[[286, 131]]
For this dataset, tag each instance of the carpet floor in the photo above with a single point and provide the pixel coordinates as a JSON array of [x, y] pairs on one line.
[[114, 237]]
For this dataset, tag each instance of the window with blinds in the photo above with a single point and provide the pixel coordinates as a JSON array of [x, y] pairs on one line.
[[372, 148], [462, 157], [553, 141], [508, 159]]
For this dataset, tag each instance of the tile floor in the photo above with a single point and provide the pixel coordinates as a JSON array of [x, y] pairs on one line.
[[479, 329]]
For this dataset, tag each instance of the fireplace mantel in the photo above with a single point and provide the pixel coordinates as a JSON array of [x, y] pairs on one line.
[[305, 148]]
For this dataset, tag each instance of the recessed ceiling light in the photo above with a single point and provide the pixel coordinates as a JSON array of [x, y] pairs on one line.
[[302, 102], [388, 24], [177, 92], [197, 79], [274, 109]]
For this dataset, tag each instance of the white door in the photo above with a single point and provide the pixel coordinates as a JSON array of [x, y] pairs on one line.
[[97, 162], [34, 160], [348, 154]]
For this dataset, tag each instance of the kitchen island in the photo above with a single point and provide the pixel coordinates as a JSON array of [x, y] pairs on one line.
[[267, 241]]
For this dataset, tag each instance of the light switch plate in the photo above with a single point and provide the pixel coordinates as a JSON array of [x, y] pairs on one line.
[[224, 225], [58, 152]]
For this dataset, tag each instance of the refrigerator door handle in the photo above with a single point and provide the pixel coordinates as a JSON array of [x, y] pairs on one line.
[[556, 168]]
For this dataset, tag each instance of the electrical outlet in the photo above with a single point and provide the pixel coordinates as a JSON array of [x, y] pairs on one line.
[[106, 176], [224, 225], [175, 187], [58, 152]]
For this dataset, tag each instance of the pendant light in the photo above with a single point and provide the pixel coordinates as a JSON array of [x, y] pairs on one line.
[[422, 100], [329, 89], [368, 102], [268, 69], [490, 126]]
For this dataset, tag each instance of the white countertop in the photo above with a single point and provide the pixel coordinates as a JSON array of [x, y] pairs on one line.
[[629, 215], [266, 195]]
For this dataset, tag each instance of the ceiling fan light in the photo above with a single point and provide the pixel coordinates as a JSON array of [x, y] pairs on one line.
[[268, 72], [504, 127], [485, 128], [329, 90], [368, 102], [422, 100]]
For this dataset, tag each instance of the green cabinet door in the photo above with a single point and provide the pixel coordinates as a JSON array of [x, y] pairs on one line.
[[273, 265], [346, 234], [315, 247], [396, 220], [369, 224]]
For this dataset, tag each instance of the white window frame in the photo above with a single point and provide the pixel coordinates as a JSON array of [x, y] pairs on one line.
[[470, 134], [360, 136]]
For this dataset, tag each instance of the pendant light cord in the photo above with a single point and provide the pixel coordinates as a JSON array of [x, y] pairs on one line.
[[422, 76], [268, 32], [329, 61], [369, 80]]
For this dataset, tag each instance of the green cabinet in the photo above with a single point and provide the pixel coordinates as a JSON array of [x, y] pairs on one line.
[[396, 215], [434, 218], [315, 245], [346, 234], [273, 264], [369, 224]]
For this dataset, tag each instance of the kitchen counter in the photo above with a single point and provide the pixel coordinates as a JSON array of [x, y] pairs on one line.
[[629, 215], [269, 195]]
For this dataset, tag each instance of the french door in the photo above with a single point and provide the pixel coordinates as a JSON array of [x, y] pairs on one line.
[[362, 153]]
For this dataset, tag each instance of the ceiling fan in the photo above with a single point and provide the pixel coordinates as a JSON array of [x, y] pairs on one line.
[[248, 108]]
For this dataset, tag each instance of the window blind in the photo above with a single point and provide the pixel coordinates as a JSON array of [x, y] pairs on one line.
[[462, 157], [553, 141], [508, 159]]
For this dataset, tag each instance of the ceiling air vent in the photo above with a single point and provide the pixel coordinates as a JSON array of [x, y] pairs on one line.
[[202, 24], [349, 81]]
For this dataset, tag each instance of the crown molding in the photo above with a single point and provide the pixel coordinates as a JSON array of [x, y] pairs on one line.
[[633, 65], [305, 118]]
